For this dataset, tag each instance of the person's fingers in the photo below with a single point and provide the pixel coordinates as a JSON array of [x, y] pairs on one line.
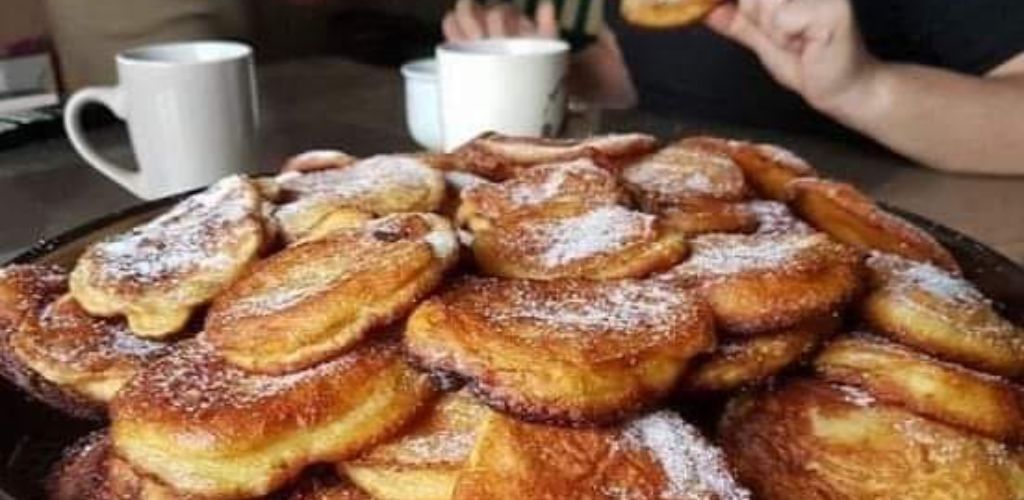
[[525, 27], [451, 30], [497, 21], [547, 19], [731, 23], [811, 19], [468, 19], [751, 9], [767, 13]]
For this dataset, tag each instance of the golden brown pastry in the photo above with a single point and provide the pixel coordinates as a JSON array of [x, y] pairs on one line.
[[425, 460], [81, 473], [203, 427], [91, 357], [663, 14], [942, 314], [812, 440], [851, 217], [924, 385], [767, 168], [760, 283], [774, 217], [568, 351], [653, 456], [25, 293], [315, 300], [740, 362], [593, 242], [319, 159], [157, 274], [498, 157], [695, 189], [327, 488], [379, 185], [555, 185]]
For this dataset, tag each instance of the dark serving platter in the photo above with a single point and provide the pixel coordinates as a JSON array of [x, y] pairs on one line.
[[32, 435]]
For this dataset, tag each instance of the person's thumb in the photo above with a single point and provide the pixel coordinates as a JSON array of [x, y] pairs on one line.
[[547, 20]]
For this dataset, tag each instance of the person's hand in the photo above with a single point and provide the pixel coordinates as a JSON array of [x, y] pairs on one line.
[[812, 47], [469, 21]]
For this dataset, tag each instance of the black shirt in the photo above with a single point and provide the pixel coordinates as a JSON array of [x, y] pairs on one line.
[[696, 73]]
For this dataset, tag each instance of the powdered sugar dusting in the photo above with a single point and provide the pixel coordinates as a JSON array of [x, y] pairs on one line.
[[856, 396], [776, 218], [933, 280], [693, 467], [187, 237], [633, 313], [373, 176], [600, 231], [683, 171], [785, 157], [721, 254]]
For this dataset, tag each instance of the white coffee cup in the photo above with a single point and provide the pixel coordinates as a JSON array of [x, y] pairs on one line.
[[191, 114], [422, 103], [513, 86]]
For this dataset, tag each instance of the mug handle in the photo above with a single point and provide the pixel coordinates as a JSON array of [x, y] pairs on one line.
[[112, 99]]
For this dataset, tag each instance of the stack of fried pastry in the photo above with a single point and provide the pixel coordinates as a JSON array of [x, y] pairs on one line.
[[321, 334]]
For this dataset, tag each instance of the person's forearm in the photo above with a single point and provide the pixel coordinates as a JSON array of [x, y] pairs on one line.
[[945, 120], [599, 75]]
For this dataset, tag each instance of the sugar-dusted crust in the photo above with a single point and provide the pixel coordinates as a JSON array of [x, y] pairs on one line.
[[499, 157], [812, 440], [927, 386], [157, 274], [539, 189], [25, 291], [851, 217], [91, 357], [424, 460], [315, 300], [594, 242], [568, 351], [743, 362], [654, 456], [681, 174], [379, 185], [204, 427], [760, 283], [943, 314]]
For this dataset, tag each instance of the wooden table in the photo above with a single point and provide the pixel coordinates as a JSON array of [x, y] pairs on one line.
[[45, 188]]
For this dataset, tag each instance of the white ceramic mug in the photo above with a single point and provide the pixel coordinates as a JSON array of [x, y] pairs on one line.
[[509, 85], [422, 105], [191, 114]]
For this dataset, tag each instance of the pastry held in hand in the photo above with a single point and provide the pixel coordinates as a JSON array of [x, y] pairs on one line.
[[664, 14], [316, 299], [567, 351], [157, 274]]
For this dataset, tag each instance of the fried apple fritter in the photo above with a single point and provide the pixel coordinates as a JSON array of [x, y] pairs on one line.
[[425, 460], [567, 351], [760, 283], [924, 385], [649, 457], [812, 440], [743, 362], [316, 160], [157, 274], [664, 14], [379, 185], [774, 217], [576, 183], [81, 473], [498, 157], [91, 357], [937, 312], [204, 427], [315, 300], [593, 242], [767, 168], [851, 217], [25, 293]]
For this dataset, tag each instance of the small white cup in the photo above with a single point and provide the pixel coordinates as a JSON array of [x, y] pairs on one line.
[[191, 113], [422, 103], [513, 86]]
